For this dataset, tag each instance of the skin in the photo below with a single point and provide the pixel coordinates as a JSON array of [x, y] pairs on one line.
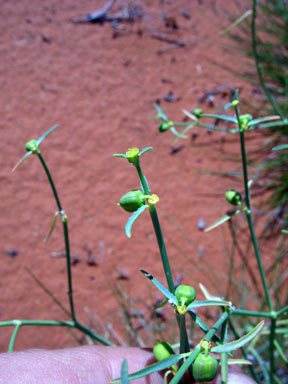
[[82, 365]]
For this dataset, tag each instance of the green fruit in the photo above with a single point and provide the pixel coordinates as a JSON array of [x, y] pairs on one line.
[[185, 295], [197, 112], [205, 368], [164, 126], [233, 197], [163, 350], [132, 200]]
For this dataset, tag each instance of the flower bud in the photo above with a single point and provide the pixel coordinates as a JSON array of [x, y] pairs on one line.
[[162, 350], [233, 197], [205, 368], [245, 120], [132, 155], [132, 200], [197, 112], [32, 146], [185, 295]]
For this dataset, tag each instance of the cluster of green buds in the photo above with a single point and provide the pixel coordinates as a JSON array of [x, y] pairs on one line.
[[205, 366], [185, 295], [135, 199]]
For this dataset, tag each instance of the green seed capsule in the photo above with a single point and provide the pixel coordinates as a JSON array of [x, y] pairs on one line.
[[163, 350], [132, 200], [198, 112], [233, 197], [165, 126], [185, 295], [205, 368]]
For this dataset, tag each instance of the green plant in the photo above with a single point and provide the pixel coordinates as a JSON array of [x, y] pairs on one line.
[[32, 148], [182, 299], [262, 37]]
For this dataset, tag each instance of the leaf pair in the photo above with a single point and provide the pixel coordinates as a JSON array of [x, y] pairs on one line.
[[173, 300]]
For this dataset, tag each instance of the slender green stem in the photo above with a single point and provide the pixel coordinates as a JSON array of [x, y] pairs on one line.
[[257, 62], [50, 180], [248, 213], [281, 352], [70, 324], [283, 310], [92, 334], [224, 356], [158, 232], [66, 236], [244, 312], [209, 336], [68, 264], [271, 350], [12, 323], [204, 328], [261, 364], [184, 342], [13, 337]]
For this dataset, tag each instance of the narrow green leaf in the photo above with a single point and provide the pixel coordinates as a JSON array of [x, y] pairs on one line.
[[285, 231], [208, 303], [21, 160], [239, 362], [160, 111], [161, 288], [144, 150], [240, 342], [227, 106], [131, 220], [160, 305], [274, 124], [52, 227], [176, 133], [124, 372], [120, 155], [222, 220], [46, 134], [236, 22], [220, 117], [263, 120], [284, 146], [156, 367]]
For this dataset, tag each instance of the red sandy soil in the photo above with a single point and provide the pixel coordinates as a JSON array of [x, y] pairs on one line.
[[99, 87]]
